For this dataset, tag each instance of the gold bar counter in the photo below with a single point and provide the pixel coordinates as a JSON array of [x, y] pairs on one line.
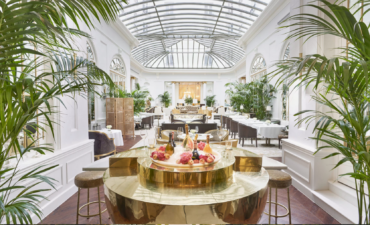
[[234, 190]]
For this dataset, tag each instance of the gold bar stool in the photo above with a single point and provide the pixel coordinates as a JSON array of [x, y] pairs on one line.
[[93, 179], [279, 180]]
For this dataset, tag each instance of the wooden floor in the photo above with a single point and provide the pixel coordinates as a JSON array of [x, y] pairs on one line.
[[304, 211]]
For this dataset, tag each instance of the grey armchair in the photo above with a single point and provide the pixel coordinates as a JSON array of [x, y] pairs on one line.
[[103, 145], [247, 132]]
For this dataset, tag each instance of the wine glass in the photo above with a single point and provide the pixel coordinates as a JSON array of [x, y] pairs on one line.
[[219, 134], [179, 132]]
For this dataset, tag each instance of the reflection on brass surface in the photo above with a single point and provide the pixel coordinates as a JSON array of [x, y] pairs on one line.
[[151, 174], [242, 201], [212, 194]]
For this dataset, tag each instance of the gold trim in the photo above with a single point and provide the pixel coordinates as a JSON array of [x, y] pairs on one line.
[[105, 154]]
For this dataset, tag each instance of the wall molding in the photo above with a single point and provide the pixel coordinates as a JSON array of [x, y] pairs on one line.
[[293, 145], [307, 166]]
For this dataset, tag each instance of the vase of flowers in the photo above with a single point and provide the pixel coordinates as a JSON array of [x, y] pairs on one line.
[[109, 127], [268, 122]]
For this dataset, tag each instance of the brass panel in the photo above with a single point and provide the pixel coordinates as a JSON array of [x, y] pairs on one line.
[[151, 174], [241, 202], [211, 195]]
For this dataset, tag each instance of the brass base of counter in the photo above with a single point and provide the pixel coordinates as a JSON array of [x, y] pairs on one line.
[[232, 191]]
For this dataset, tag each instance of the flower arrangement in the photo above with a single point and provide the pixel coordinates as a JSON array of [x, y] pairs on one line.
[[268, 122], [109, 127], [255, 118]]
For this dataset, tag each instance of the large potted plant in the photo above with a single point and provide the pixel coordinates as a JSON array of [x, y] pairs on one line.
[[39, 29], [139, 95], [165, 99], [342, 87], [189, 100], [210, 100]]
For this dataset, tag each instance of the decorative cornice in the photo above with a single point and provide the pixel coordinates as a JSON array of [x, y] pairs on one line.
[[266, 16], [125, 33]]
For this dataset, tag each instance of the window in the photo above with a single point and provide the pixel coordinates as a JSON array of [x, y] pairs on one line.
[[91, 95], [285, 91], [118, 72], [258, 68]]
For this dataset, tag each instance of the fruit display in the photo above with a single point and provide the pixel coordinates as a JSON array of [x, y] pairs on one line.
[[159, 154], [186, 158], [207, 148], [201, 145]]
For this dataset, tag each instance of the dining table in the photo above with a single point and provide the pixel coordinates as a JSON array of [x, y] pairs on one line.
[[116, 134]]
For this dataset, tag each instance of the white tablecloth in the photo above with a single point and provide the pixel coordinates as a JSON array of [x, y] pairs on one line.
[[215, 121], [269, 131], [116, 134]]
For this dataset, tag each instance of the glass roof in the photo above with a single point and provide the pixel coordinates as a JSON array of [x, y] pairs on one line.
[[190, 35]]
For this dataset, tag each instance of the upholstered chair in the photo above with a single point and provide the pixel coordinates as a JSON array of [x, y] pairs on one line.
[[246, 132], [214, 133], [103, 145], [234, 128], [165, 134]]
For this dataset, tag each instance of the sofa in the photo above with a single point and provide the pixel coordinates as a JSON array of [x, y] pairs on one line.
[[189, 109], [182, 117], [203, 127]]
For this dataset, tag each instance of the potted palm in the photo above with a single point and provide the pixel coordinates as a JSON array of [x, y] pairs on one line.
[[341, 85], [189, 100], [39, 29], [210, 100], [165, 99]]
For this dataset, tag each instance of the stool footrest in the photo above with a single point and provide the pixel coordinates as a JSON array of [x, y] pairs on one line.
[[89, 203], [277, 216]]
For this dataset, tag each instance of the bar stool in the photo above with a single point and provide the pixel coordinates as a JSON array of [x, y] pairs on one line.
[[93, 179], [279, 180]]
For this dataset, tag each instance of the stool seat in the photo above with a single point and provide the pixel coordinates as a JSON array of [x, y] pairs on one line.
[[279, 179], [89, 179]]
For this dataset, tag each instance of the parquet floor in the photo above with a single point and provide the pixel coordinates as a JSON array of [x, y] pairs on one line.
[[304, 211]]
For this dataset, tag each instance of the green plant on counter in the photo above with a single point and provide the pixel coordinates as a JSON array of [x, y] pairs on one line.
[[210, 100], [35, 38], [189, 100], [165, 99], [341, 85]]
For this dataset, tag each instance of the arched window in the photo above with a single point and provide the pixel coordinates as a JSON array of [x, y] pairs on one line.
[[285, 91], [258, 68], [118, 72]]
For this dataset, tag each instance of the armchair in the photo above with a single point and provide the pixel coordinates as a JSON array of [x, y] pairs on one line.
[[103, 145]]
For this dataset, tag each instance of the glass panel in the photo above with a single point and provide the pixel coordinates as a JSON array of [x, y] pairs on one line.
[[190, 34]]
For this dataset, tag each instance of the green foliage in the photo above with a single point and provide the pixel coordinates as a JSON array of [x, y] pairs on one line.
[[165, 99], [39, 28], [210, 100], [341, 86], [254, 96], [139, 95], [189, 100]]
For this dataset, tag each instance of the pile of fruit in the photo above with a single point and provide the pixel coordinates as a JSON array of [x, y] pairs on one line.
[[201, 145], [185, 158], [159, 154]]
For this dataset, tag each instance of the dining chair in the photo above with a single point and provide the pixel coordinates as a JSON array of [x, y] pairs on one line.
[[234, 128], [246, 132]]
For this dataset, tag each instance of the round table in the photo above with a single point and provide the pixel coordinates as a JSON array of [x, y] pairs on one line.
[[116, 134], [138, 191]]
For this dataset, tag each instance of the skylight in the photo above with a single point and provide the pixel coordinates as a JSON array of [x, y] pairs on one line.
[[190, 35]]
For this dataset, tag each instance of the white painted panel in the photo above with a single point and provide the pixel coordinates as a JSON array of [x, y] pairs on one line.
[[74, 166], [298, 165]]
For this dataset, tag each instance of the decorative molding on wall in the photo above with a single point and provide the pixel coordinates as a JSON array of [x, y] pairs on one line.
[[266, 16], [293, 145], [305, 166]]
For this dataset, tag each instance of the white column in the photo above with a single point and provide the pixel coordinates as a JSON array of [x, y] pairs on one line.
[[174, 100], [128, 83], [204, 92]]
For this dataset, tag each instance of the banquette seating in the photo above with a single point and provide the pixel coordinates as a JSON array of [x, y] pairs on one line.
[[182, 117], [203, 128]]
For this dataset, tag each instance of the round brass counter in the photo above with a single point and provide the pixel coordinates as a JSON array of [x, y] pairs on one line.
[[152, 175], [241, 200]]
